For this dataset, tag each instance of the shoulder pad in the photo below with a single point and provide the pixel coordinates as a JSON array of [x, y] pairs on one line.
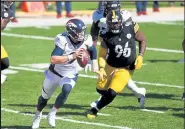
[[61, 41], [97, 15]]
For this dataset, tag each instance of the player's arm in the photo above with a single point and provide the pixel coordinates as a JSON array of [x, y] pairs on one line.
[[94, 31], [93, 56], [57, 56], [140, 37], [102, 60], [102, 55], [4, 22]]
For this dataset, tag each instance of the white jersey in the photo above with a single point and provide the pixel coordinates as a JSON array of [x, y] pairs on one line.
[[70, 68]]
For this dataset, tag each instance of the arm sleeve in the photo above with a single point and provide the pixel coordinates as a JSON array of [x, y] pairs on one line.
[[57, 51], [94, 31], [93, 53]]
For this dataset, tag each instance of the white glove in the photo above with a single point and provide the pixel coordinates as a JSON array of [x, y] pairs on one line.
[[87, 68]]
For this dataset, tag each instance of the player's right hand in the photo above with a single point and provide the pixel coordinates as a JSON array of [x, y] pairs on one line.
[[77, 53], [102, 74]]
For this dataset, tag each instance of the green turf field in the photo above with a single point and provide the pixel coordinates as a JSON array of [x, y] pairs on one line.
[[19, 94]]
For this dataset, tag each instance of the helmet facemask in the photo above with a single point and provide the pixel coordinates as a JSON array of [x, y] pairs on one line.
[[114, 22]]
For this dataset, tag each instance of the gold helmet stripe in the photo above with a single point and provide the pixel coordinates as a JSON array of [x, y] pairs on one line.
[[113, 14]]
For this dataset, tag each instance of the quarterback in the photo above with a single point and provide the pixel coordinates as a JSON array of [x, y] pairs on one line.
[[99, 25], [63, 70], [117, 58], [5, 11]]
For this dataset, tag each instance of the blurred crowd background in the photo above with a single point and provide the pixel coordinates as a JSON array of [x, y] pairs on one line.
[[58, 7]]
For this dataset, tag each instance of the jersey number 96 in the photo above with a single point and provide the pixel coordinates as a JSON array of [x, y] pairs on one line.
[[126, 51]]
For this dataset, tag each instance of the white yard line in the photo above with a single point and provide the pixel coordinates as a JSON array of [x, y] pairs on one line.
[[52, 39], [67, 119], [155, 111], [91, 76]]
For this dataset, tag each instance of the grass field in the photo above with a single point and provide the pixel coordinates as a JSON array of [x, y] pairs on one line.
[[19, 94]]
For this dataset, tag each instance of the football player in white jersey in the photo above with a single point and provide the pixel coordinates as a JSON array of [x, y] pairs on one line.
[[63, 70], [99, 25]]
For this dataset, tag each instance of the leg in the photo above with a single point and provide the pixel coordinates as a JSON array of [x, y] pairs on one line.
[[102, 86], [68, 84], [59, 9], [138, 6], [68, 6], [138, 92], [49, 86], [101, 92], [12, 12], [118, 82], [68, 9], [4, 59], [4, 63], [144, 8], [155, 6]]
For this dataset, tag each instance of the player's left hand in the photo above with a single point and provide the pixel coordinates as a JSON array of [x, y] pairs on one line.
[[138, 62]]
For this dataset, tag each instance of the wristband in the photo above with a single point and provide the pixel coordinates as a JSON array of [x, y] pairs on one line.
[[70, 57]]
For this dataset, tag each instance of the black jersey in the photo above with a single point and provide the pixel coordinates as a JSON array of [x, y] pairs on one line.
[[121, 47]]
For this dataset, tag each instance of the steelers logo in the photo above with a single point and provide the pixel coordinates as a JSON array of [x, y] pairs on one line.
[[129, 36], [6, 15]]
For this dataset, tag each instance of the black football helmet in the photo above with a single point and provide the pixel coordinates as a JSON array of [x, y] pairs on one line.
[[5, 9], [76, 30], [114, 21], [111, 5]]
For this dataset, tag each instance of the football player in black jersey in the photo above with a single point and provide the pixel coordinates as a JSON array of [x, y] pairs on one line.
[[117, 58], [5, 18], [99, 24]]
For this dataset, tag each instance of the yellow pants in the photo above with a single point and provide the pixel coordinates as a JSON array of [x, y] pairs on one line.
[[116, 79], [3, 53]]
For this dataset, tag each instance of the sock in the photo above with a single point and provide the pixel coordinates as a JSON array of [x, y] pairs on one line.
[[106, 99], [54, 110], [133, 87]]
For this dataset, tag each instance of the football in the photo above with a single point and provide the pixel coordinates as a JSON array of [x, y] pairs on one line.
[[84, 60]]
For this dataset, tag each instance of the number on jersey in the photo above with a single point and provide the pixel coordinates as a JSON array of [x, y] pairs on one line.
[[126, 51]]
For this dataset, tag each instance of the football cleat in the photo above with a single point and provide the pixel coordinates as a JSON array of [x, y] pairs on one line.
[[36, 120], [141, 100], [92, 113], [51, 119]]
